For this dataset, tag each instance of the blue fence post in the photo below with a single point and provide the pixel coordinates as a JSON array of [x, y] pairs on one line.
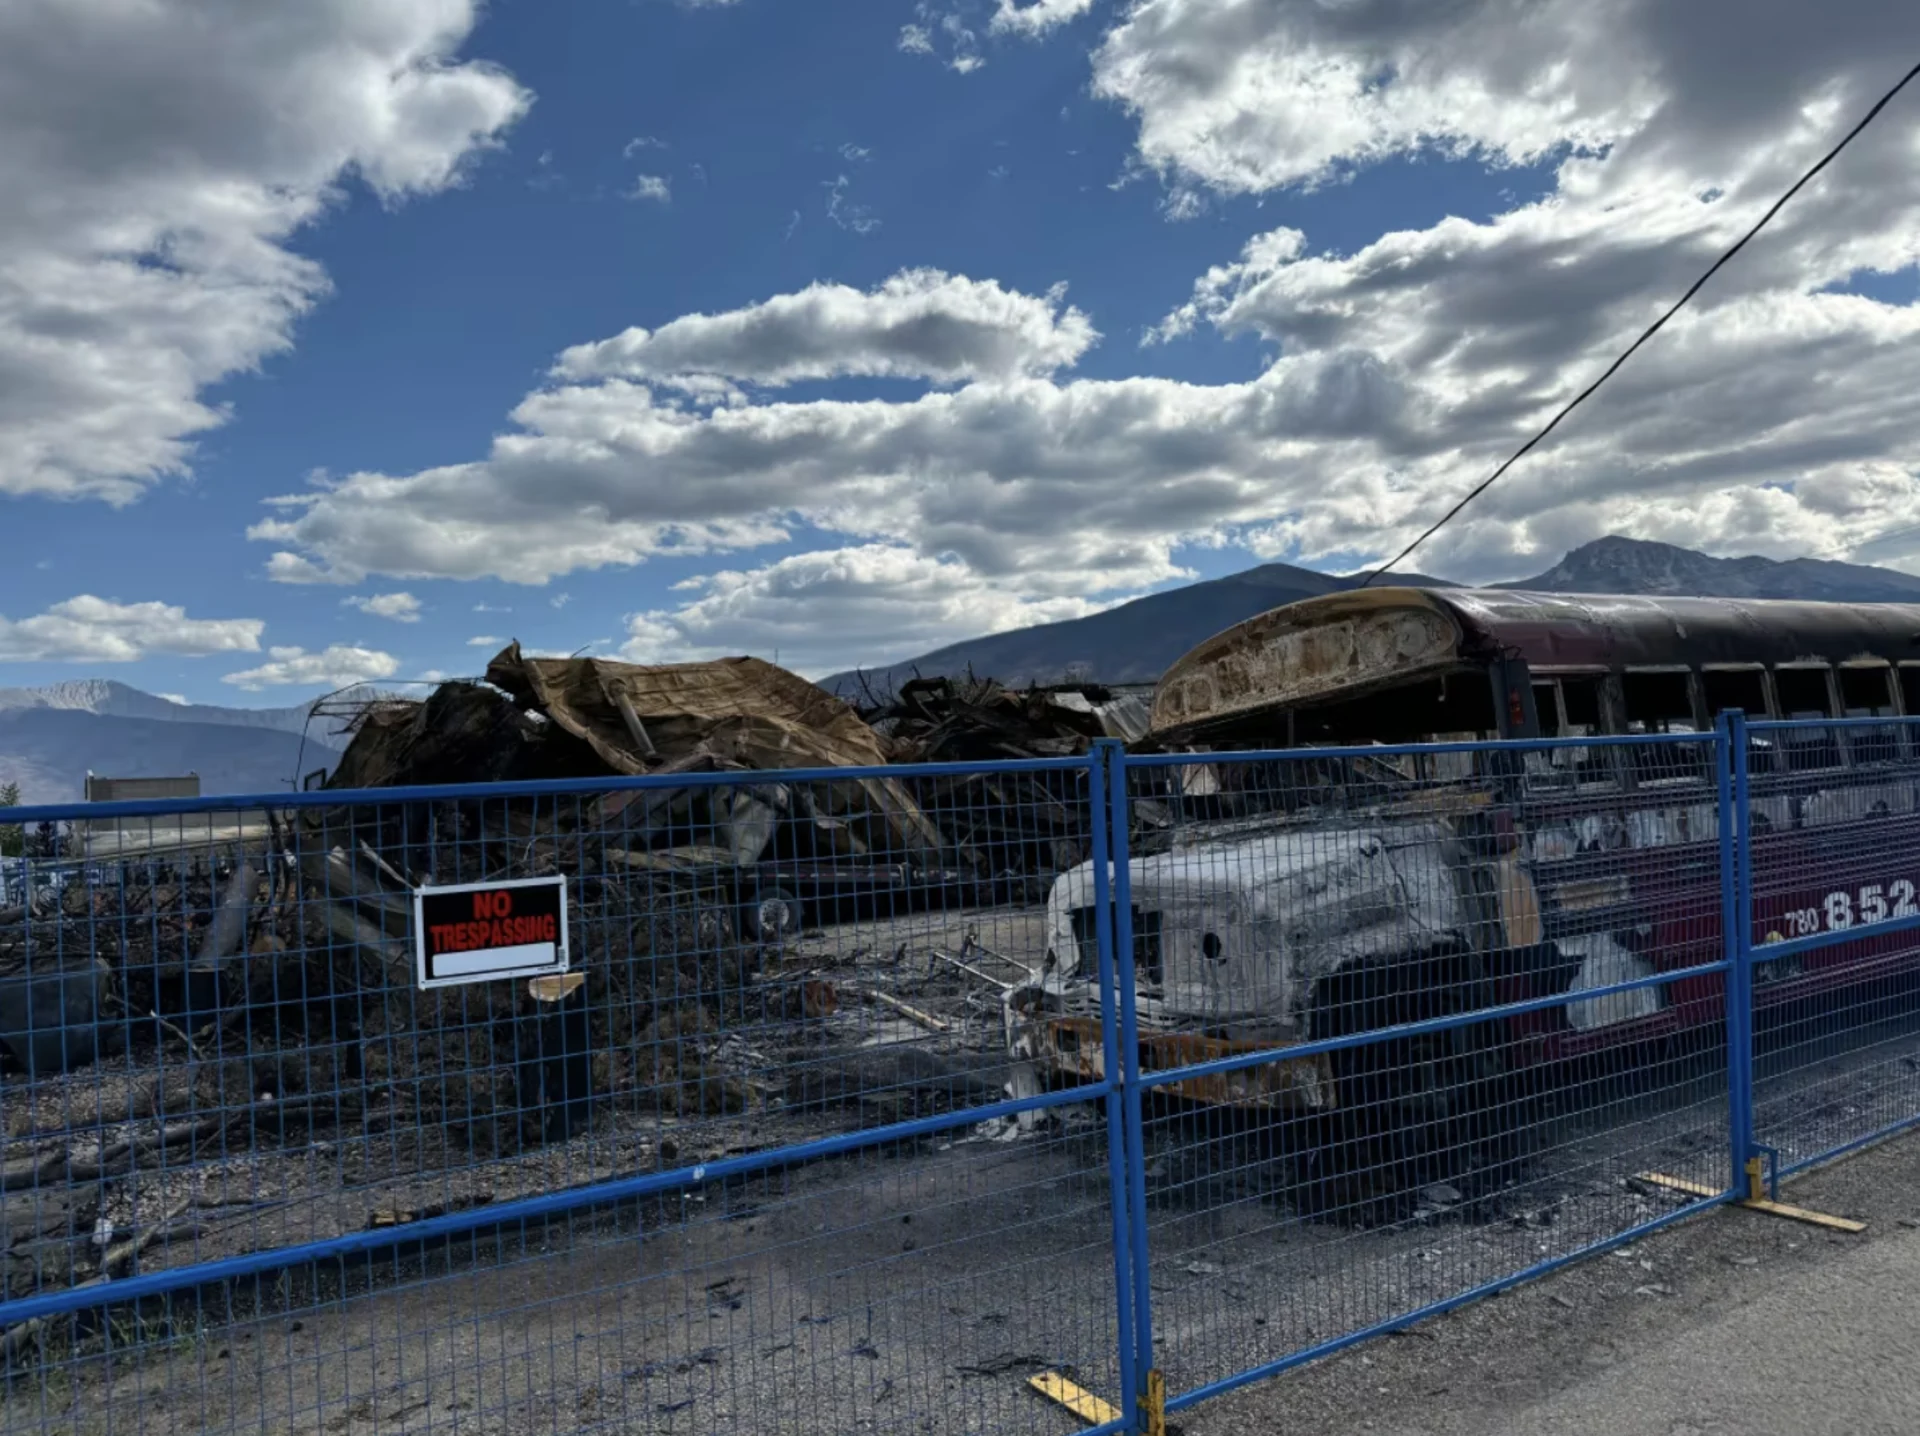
[[1119, 805], [1119, 1151], [1736, 922]]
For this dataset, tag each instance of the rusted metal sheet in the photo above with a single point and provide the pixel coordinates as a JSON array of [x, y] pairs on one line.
[[1305, 650], [1072, 1047]]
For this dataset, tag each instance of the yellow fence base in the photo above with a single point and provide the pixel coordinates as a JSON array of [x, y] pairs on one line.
[[1153, 1406], [1077, 1399], [1755, 1201]]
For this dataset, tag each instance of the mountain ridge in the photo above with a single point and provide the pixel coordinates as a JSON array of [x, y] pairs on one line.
[[49, 751], [53, 735]]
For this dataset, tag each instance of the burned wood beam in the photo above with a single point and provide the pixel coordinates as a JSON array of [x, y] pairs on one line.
[[228, 930], [635, 728], [334, 872], [365, 938]]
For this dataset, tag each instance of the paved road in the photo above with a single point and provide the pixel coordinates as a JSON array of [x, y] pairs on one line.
[[1735, 1323], [1832, 1351]]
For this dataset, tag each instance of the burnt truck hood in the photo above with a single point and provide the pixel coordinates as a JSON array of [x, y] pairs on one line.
[[1239, 932]]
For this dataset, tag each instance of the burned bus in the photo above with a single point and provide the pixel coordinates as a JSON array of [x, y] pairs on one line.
[[1297, 897]]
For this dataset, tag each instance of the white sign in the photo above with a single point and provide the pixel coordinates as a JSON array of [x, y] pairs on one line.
[[482, 932]]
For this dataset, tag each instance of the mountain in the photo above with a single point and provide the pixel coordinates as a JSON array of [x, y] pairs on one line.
[[1132, 643], [50, 737], [1624, 565], [49, 750], [117, 700], [1138, 641]]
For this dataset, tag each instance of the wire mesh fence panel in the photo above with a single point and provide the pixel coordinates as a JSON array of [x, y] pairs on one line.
[[292, 1145], [1836, 846], [1412, 1024]]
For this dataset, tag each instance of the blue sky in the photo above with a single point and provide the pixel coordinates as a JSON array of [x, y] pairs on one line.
[[1447, 276]]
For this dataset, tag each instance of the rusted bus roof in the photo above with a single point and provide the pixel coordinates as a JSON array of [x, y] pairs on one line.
[[1345, 643], [1557, 630]]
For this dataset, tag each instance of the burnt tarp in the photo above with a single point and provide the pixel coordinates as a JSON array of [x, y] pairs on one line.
[[739, 713], [638, 716], [461, 733]]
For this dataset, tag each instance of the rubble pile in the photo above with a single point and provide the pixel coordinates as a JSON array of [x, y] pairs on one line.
[[665, 882], [1017, 830], [296, 949], [972, 720], [81, 963]]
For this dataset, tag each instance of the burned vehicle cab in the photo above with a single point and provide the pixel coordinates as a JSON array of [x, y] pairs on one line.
[[1239, 940], [1300, 895]]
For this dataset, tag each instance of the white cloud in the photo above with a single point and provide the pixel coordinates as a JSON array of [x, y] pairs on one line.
[[1036, 17], [830, 609], [856, 218], [1247, 97], [159, 156], [941, 30], [1764, 419], [86, 629], [641, 142], [920, 324], [336, 667], [652, 187], [177, 699], [1775, 416], [400, 607], [943, 33], [484, 640], [1086, 485]]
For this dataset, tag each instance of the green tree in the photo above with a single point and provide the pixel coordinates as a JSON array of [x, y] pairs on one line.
[[13, 838]]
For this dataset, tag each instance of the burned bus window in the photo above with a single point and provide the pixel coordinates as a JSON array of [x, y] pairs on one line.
[[1460, 703], [1803, 694], [1148, 965], [1548, 707], [1663, 703], [1910, 689], [1582, 699], [1657, 702], [1864, 693], [1868, 693], [1744, 688]]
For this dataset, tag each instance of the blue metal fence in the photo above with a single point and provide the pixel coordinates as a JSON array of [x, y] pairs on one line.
[[870, 1096]]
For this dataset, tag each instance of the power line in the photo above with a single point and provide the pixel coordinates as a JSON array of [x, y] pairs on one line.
[[1848, 550], [1651, 330]]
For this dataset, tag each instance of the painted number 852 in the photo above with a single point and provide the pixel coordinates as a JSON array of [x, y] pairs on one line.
[[1873, 903]]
